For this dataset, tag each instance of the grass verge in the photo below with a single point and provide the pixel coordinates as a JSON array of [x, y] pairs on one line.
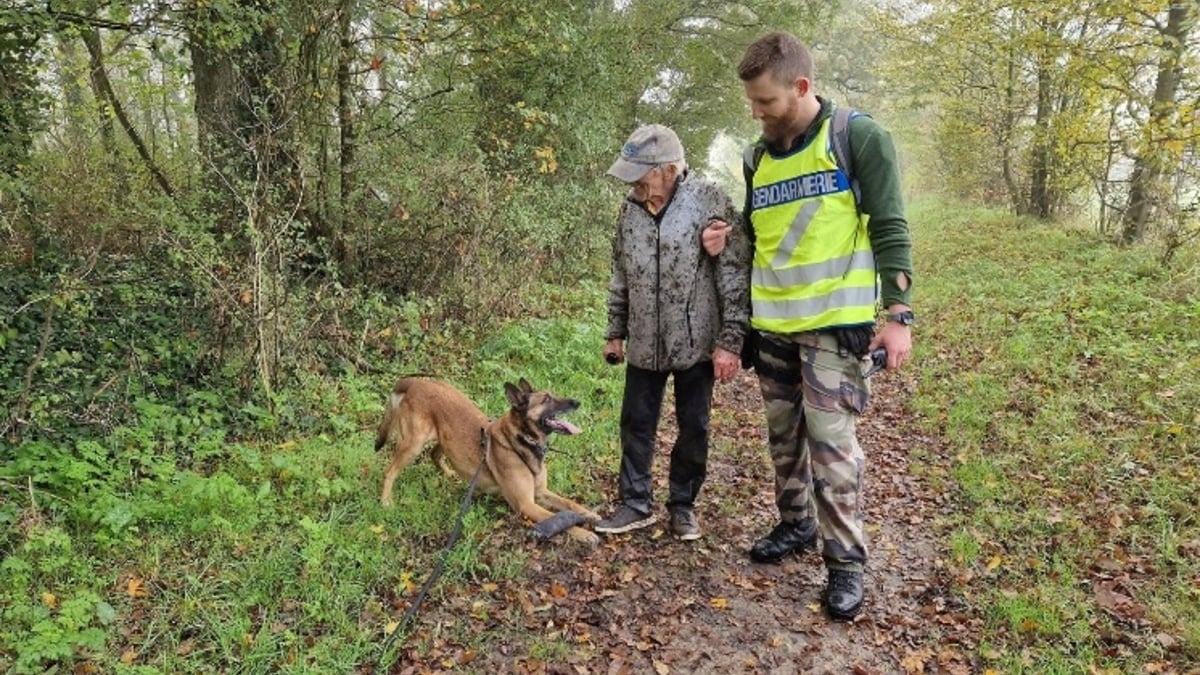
[[1065, 375]]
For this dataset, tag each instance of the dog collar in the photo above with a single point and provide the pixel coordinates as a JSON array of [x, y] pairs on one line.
[[539, 449]]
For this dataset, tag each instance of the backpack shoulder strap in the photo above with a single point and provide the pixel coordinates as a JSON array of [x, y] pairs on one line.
[[840, 138], [752, 155]]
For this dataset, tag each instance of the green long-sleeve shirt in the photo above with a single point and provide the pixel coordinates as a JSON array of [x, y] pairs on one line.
[[878, 173]]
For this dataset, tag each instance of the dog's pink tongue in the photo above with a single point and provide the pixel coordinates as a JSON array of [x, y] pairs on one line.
[[568, 428]]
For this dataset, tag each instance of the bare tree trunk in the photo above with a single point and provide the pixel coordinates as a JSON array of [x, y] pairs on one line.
[[1104, 183], [1010, 181], [1150, 165], [346, 124], [1040, 200]]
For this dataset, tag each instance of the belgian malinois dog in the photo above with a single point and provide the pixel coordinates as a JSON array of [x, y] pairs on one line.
[[423, 409]]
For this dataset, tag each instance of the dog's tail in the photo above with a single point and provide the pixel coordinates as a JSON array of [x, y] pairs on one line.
[[388, 426]]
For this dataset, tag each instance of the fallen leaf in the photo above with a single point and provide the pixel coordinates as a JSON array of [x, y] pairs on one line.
[[479, 609], [719, 603], [50, 600], [661, 668], [390, 627], [406, 582], [914, 661], [136, 588], [1117, 603]]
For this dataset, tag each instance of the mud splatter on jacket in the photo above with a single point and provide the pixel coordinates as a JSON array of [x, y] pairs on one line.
[[670, 301]]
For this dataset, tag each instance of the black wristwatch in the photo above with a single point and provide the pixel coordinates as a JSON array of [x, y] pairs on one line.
[[904, 318]]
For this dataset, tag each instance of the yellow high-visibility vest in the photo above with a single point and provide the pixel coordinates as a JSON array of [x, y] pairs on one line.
[[813, 265]]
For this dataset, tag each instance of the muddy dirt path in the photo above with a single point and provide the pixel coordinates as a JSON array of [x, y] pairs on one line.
[[644, 602]]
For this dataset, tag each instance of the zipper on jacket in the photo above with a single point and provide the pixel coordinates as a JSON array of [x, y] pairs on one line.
[[687, 314], [658, 337]]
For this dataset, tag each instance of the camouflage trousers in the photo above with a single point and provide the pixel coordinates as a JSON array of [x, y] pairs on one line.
[[814, 396]]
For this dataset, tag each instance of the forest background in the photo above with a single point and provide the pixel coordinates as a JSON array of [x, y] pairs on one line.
[[228, 225]]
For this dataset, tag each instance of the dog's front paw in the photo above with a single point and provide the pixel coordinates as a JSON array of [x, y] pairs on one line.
[[591, 539]]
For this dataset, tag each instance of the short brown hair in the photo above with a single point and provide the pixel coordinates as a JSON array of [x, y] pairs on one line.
[[781, 54]]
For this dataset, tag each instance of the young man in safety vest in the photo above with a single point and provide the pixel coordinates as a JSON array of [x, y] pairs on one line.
[[819, 251]]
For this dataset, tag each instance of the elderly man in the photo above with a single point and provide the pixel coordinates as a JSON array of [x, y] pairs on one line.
[[673, 311]]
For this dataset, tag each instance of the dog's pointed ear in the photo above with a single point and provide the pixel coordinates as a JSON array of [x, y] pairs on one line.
[[525, 386], [516, 398]]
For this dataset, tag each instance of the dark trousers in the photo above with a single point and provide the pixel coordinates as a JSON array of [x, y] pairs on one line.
[[640, 410]]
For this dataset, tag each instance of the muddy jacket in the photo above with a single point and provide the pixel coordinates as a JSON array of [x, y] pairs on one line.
[[670, 301]]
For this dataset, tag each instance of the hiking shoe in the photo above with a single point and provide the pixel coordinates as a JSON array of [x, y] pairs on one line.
[[784, 539], [844, 594], [625, 519], [684, 524]]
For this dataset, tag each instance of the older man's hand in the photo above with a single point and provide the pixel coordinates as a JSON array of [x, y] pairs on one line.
[[714, 236], [725, 364]]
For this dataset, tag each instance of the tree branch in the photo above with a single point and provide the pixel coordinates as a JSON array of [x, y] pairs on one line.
[[91, 38]]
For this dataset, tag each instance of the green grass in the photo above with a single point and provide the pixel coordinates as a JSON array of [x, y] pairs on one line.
[[277, 556], [1064, 375]]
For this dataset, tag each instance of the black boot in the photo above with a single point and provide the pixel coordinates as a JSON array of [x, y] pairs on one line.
[[786, 538], [844, 594]]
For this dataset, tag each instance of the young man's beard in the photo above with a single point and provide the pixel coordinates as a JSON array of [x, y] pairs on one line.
[[775, 130], [780, 129]]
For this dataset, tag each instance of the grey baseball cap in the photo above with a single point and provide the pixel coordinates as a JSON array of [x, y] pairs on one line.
[[647, 147]]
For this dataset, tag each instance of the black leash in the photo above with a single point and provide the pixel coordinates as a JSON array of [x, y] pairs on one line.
[[485, 442]]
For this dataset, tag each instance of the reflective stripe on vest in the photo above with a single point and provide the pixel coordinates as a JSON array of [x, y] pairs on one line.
[[813, 265]]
